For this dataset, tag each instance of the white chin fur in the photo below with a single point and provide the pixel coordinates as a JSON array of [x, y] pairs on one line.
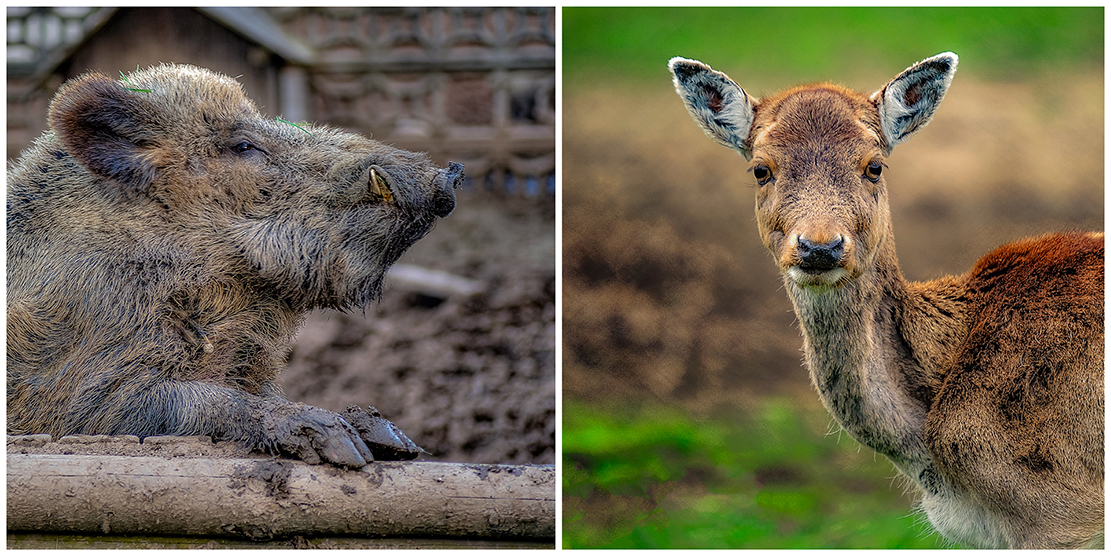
[[803, 278]]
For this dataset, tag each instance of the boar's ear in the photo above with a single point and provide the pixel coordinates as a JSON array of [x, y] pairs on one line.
[[101, 125]]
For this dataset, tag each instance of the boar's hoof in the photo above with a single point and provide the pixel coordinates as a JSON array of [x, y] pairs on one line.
[[316, 435], [385, 440]]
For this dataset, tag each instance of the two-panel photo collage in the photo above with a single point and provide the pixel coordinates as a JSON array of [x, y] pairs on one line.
[[555, 277]]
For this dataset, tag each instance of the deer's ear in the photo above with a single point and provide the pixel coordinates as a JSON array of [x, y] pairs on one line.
[[721, 108], [907, 103]]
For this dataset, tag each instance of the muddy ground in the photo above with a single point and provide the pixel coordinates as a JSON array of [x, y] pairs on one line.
[[468, 378]]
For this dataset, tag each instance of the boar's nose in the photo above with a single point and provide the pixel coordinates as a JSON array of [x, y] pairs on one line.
[[448, 180]]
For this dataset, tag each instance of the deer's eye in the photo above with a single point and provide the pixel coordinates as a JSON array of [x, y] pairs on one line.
[[762, 173], [873, 170]]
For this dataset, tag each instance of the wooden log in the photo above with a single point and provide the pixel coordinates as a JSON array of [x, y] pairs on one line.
[[268, 498], [74, 541]]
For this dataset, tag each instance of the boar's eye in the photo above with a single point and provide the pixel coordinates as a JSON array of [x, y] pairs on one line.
[[243, 146]]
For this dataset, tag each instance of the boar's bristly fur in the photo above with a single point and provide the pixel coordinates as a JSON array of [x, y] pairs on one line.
[[164, 242]]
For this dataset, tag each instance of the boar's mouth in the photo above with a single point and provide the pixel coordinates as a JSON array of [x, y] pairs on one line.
[[367, 288], [416, 217]]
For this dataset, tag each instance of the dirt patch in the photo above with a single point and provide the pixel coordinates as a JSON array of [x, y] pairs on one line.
[[468, 378]]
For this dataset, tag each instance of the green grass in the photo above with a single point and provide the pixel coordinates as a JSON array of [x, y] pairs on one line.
[[619, 44], [648, 476]]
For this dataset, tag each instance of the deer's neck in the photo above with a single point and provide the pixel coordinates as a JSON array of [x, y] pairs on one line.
[[876, 349]]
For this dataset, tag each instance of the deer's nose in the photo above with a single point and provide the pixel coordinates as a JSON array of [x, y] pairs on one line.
[[821, 257]]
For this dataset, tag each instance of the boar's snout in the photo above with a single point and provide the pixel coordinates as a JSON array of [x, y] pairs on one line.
[[448, 180]]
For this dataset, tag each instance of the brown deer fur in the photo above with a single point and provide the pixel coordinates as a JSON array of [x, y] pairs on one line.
[[985, 390]]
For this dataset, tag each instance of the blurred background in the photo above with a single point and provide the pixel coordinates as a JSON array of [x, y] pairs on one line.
[[460, 353], [688, 417]]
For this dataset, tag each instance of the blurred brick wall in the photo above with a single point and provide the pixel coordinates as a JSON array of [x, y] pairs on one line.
[[474, 85]]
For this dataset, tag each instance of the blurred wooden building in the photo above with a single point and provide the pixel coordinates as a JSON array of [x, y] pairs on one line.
[[473, 85]]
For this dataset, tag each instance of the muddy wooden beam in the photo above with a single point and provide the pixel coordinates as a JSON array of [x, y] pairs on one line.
[[267, 498]]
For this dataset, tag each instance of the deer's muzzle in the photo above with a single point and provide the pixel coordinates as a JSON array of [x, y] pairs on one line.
[[817, 261]]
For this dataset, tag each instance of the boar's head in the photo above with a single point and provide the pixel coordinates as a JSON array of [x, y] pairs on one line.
[[313, 214]]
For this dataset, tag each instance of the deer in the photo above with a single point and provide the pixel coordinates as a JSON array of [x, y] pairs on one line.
[[984, 390]]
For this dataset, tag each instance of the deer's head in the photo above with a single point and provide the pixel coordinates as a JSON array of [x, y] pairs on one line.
[[817, 153]]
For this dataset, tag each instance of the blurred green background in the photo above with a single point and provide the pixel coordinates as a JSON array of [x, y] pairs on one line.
[[688, 418], [783, 43]]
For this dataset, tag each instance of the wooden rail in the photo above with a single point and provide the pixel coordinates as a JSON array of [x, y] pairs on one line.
[[266, 498]]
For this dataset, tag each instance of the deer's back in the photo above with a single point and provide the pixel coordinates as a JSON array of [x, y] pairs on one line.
[[1019, 418]]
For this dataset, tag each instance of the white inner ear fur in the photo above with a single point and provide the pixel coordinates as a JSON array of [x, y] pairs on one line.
[[720, 107], [901, 120]]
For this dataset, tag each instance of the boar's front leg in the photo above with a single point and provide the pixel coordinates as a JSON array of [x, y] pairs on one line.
[[269, 423]]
